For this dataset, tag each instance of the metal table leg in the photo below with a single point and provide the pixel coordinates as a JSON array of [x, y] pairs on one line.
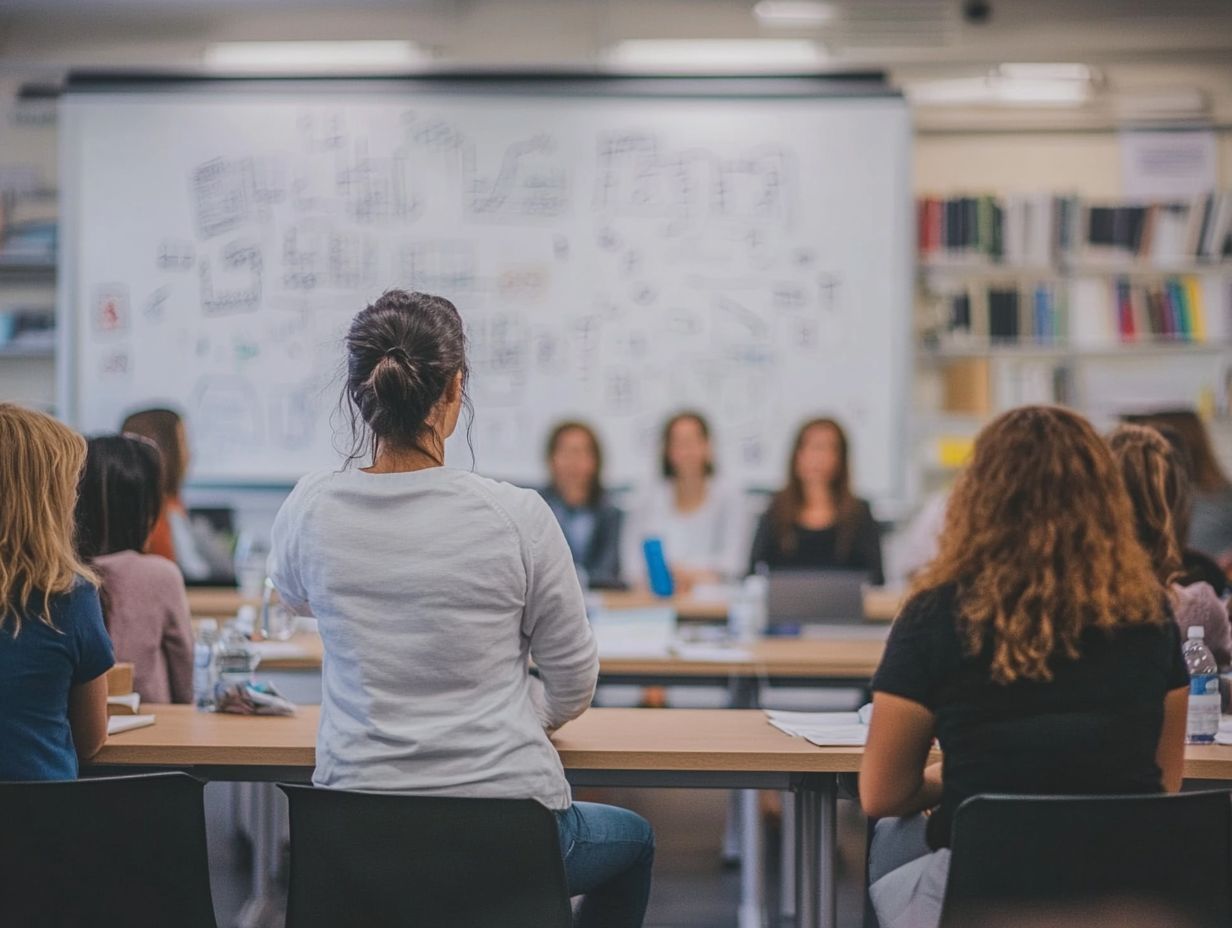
[[752, 873], [817, 852], [261, 908], [787, 856]]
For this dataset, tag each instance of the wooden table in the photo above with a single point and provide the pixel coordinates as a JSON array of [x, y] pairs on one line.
[[702, 748], [835, 659], [880, 604]]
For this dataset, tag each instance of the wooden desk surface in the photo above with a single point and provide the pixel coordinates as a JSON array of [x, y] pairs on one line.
[[880, 605], [847, 658], [800, 658], [720, 740]]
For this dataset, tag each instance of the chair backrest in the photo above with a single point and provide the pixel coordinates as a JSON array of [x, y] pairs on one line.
[[423, 862], [802, 597], [1019, 853], [110, 851]]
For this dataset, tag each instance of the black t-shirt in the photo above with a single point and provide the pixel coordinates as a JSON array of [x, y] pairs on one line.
[[1094, 728], [818, 549]]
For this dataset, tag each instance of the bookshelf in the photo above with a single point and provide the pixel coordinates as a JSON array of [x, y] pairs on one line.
[[1103, 306], [27, 296]]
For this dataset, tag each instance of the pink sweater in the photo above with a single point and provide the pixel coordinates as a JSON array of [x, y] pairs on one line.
[[148, 618], [1197, 604]]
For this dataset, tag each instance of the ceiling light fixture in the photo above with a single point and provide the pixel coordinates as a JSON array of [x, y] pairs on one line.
[[350, 57], [793, 14], [711, 56]]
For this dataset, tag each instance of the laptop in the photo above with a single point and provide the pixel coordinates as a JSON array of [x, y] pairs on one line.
[[815, 597]]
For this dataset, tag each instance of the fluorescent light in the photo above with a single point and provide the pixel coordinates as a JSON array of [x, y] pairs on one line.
[[693, 56], [315, 57], [1000, 89], [1047, 72], [793, 13]]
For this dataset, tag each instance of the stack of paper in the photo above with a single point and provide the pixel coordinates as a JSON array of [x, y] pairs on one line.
[[824, 729]]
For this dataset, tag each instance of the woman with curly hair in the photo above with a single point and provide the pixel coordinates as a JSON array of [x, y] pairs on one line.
[[1037, 649], [1159, 488]]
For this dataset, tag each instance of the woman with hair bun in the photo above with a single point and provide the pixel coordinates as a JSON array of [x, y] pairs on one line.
[[434, 588]]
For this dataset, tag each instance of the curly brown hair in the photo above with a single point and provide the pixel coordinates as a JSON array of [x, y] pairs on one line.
[[1157, 479], [1039, 542]]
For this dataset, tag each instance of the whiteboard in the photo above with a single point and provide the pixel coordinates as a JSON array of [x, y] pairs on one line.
[[614, 258]]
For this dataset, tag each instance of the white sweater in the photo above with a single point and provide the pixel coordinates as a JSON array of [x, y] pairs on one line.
[[715, 536], [432, 590]]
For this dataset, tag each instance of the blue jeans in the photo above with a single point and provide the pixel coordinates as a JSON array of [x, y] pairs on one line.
[[608, 855]]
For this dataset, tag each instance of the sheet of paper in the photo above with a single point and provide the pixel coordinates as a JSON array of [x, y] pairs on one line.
[[119, 723], [824, 729], [634, 632], [703, 651]]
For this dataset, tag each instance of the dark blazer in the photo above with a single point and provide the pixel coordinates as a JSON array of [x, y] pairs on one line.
[[816, 549], [601, 559]]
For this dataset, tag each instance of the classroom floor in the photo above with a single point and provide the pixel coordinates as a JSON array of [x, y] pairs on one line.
[[692, 888]]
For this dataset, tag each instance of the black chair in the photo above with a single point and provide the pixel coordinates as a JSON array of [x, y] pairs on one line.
[[1019, 854], [381, 859], [109, 851]]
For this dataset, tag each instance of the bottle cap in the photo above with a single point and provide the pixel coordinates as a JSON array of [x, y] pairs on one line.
[[1197, 631]]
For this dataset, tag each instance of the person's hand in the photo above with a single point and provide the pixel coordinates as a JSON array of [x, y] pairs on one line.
[[685, 579]]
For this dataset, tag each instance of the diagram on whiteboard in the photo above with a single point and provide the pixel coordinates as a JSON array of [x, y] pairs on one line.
[[611, 261]]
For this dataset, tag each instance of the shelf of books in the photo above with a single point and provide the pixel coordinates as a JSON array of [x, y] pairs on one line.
[[1056, 298]]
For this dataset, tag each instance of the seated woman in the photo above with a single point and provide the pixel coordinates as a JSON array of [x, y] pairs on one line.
[[591, 524], [201, 558], [700, 520], [54, 651], [1037, 649], [433, 589], [1158, 483], [815, 521], [145, 605]]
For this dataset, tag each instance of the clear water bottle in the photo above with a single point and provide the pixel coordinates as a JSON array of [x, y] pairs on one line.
[[252, 552], [1203, 721], [205, 664], [236, 657], [747, 616]]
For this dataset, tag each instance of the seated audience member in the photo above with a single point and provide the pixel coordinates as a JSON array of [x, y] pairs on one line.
[[1210, 524], [815, 521], [1036, 648], [434, 588], [144, 602], [590, 522], [54, 650], [1158, 483], [700, 520]]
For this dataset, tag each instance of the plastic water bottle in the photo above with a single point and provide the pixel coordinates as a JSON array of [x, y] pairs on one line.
[[236, 657], [748, 615], [205, 664], [1203, 721]]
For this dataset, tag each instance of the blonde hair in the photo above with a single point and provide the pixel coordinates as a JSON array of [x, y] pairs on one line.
[[1039, 540], [1158, 485], [40, 466]]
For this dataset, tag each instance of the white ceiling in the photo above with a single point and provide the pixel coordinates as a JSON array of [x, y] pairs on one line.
[[1138, 46]]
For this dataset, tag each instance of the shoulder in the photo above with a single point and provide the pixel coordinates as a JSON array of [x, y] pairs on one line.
[[144, 568], [864, 510], [78, 604], [931, 610], [1196, 599], [725, 493], [523, 508]]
